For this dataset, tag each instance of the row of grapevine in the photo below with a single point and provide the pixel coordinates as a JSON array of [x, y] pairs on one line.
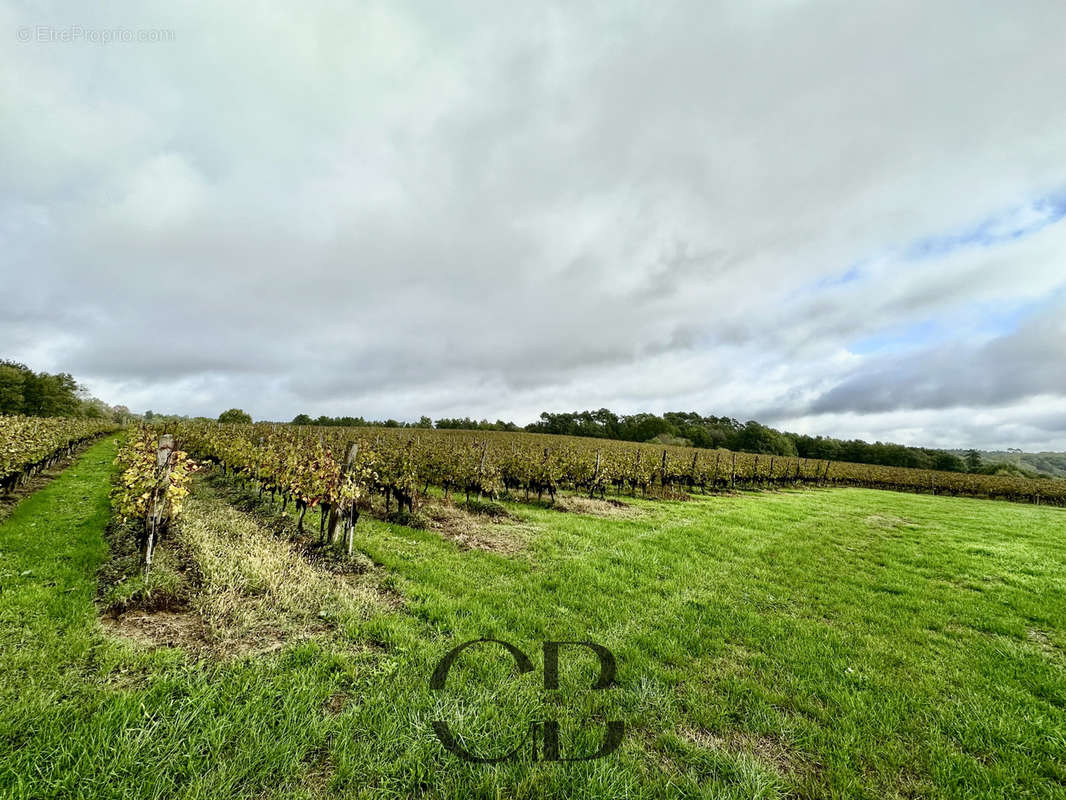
[[333, 473], [31, 444], [151, 486], [306, 466]]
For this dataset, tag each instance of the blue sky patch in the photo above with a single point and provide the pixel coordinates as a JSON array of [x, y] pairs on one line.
[[1010, 226]]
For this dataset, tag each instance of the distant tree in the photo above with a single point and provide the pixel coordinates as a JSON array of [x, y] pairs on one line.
[[235, 416], [424, 422], [973, 461], [949, 462], [446, 423], [45, 395], [642, 427], [38, 394], [12, 381], [149, 415], [756, 438], [301, 419]]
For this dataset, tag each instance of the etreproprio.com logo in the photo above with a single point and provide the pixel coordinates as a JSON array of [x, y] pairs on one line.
[[73, 34]]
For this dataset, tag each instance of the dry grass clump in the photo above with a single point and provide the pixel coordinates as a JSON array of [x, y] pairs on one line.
[[768, 750], [254, 584], [184, 629], [576, 504], [499, 534]]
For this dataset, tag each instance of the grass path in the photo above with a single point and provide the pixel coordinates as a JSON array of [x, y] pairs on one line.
[[848, 643], [50, 547]]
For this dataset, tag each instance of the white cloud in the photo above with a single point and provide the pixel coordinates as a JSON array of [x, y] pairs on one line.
[[495, 209]]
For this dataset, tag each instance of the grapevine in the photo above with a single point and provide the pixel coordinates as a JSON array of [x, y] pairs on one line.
[[152, 486], [30, 444], [306, 467]]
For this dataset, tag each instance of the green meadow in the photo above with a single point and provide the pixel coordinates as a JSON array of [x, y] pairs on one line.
[[842, 643]]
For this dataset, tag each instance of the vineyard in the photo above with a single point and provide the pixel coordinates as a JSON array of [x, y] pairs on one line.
[[31, 444], [341, 470], [784, 637]]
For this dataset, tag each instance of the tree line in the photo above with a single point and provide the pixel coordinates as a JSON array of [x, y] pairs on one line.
[[42, 394], [692, 428], [445, 423]]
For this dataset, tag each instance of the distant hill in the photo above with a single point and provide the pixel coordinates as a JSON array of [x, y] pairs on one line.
[[1050, 464]]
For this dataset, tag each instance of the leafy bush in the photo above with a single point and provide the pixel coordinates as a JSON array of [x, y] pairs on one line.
[[407, 519], [666, 438], [485, 508], [235, 416]]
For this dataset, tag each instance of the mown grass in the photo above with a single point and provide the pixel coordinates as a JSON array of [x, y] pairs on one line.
[[257, 585], [845, 643]]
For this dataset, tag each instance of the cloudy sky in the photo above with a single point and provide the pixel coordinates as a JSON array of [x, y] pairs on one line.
[[832, 217]]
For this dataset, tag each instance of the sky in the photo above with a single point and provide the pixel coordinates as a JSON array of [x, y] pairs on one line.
[[835, 218]]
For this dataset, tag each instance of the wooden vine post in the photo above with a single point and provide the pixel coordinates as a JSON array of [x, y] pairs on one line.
[[258, 458], [163, 465], [733, 476], [481, 469], [349, 513]]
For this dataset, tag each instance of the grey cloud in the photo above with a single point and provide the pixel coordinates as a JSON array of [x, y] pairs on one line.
[[497, 206], [1023, 364]]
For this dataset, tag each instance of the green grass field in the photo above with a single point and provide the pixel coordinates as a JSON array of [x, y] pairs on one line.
[[844, 643]]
